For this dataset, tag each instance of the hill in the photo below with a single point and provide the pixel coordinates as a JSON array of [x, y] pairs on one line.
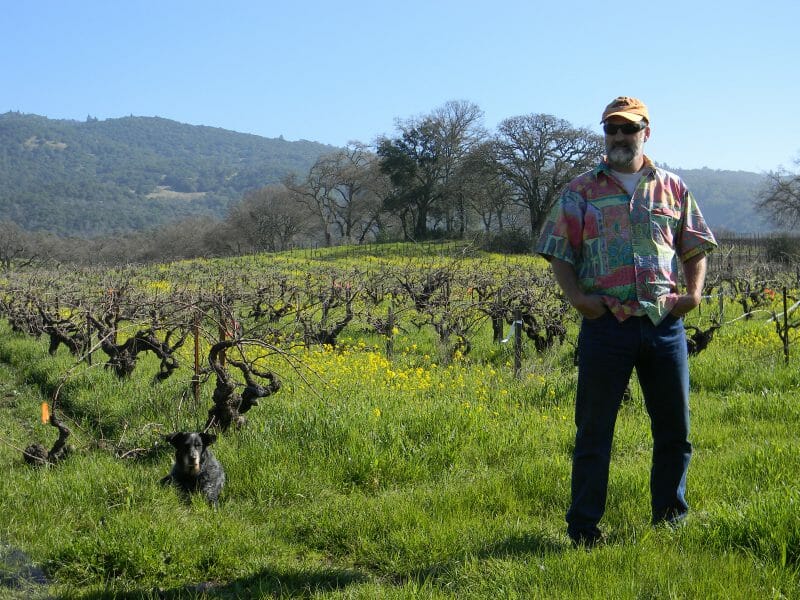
[[92, 178], [727, 198], [100, 177]]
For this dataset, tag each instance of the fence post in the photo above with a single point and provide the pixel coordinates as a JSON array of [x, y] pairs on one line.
[[785, 335], [223, 332], [517, 343], [88, 339], [196, 378], [390, 332]]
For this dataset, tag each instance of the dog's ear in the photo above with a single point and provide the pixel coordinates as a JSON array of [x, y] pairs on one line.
[[177, 438], [208, 438]]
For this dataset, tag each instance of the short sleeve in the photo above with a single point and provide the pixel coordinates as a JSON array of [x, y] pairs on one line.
[[561, 233]]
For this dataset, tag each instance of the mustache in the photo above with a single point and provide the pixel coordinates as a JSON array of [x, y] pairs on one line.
[[620, 153]]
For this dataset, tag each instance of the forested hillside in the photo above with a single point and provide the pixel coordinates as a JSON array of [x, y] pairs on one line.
[[727, 198], [99, 177]]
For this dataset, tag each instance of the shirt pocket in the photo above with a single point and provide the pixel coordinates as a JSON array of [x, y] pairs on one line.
[[664, 225]]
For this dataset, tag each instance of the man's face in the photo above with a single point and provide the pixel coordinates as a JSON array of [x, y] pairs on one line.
[[624, 151]]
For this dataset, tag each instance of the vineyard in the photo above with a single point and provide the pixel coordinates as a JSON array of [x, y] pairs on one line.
[[394, 421]]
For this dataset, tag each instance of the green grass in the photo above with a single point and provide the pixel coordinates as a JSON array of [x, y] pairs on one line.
[[399, 479]]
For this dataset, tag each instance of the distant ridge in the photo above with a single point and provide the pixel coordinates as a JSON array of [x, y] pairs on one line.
[[90, 178], [727, 198]]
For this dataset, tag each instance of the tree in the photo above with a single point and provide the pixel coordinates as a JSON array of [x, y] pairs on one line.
[[13, 244], [354, 199], [459, 131], [485, 192], [341, 193], [422, 165], [267, 219], [539, 154], [188, 238], [314, 192], [375, 220], [780, 198], [410, 162]]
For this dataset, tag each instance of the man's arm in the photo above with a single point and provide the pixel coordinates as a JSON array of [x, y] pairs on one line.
[[694, 271], [589, 305]]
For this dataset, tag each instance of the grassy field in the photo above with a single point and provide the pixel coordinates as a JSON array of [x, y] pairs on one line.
[[405, 478]]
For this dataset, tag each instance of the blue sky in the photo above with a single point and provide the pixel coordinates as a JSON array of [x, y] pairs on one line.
[[720, 78]]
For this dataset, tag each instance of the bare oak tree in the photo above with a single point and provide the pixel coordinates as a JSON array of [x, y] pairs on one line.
[[780, 198], [315, 193], [539, 154], [459, 130], [486, 193], [13, 244], [354, 194], [268, 219]]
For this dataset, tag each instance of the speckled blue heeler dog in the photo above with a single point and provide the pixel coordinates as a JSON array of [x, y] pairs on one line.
[[195, 469]]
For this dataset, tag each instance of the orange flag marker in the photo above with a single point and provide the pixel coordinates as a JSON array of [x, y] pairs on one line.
[[45, 412]]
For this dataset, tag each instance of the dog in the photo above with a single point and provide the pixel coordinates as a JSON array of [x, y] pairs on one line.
[[196, 470]]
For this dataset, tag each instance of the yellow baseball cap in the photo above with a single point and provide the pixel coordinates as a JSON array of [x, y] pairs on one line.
[[628, 108]]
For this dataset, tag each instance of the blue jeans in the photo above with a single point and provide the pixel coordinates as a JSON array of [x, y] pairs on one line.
[[608, 351]]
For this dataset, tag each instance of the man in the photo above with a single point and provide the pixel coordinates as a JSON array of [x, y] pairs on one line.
[[613, 241]]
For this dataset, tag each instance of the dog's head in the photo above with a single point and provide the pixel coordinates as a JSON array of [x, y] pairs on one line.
[[190, 449]]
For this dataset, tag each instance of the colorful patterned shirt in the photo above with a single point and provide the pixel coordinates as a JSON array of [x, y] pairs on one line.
[[625, 248]]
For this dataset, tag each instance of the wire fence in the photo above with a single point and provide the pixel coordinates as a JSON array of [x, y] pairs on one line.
[[762, 256]]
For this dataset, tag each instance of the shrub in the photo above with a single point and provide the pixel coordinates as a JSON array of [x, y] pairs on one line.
[[783, 248], [511, 241]]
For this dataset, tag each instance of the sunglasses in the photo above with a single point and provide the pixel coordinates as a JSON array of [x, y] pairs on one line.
[[626, 128]]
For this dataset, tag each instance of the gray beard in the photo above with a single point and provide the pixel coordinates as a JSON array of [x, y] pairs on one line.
[[621, 156]]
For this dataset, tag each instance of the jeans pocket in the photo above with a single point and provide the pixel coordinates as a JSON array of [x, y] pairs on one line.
[[669, 321]]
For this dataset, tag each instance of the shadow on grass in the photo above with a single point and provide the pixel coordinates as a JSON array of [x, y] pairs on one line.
[[522, 545], [277, 583], [308, 583], [531, 544]]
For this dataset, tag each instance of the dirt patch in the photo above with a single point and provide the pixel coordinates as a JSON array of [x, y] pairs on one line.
[[34, 142], [165, 193]]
